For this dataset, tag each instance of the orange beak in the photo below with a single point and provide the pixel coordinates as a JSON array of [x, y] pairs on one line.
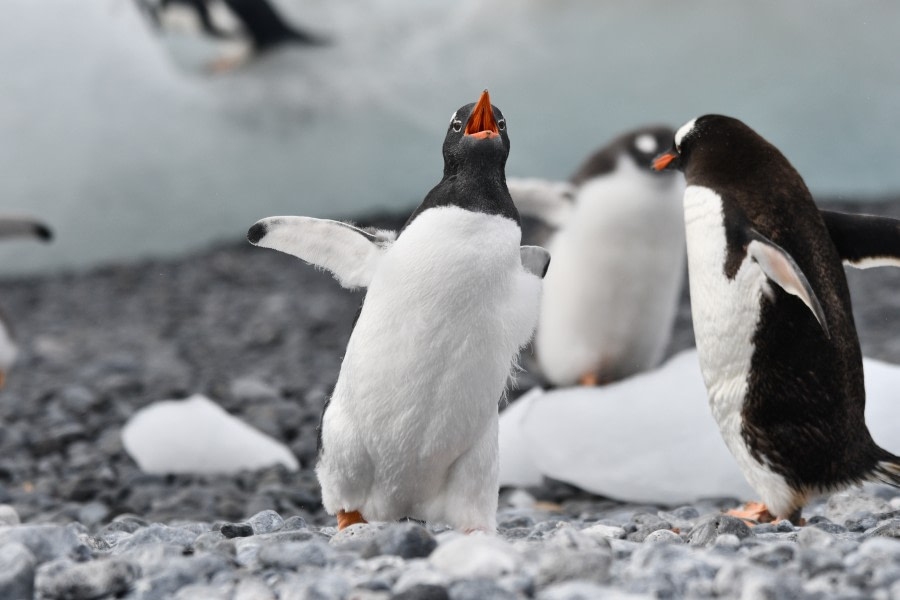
[[663, 160], [482, 124]]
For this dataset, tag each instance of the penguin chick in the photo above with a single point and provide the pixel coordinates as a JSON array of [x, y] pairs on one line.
[[410, 430], [227, 33], [777, 345], [12, 227], [617, 238]]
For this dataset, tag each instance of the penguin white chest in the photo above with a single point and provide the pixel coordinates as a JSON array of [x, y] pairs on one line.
[[726, 314], [611, 294], [412, 425]]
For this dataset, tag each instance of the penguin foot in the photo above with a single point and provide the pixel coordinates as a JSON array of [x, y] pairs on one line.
[[752, 513], [346, 519], [2, 378]]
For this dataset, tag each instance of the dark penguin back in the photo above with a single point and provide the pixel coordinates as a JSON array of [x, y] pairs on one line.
[[804, 410]]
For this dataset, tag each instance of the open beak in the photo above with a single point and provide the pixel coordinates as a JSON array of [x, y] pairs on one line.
[[666, 160], [482, 124]]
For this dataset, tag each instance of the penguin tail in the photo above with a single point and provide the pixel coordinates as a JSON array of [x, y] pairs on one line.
[[887, 470]]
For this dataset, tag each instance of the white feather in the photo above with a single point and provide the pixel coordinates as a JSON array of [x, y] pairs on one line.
[[725, 315], [548, 201], [611, 293], [411, 430], [350, 254]]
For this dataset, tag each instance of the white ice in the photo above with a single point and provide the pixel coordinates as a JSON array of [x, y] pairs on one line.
[[196, 435], [649, 438]]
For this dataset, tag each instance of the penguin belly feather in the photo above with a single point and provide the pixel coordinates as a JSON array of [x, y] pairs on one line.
[[611, 297], [726, 314], [411, 428]]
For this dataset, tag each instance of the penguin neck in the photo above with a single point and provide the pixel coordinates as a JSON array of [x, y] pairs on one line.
[[478, 190]]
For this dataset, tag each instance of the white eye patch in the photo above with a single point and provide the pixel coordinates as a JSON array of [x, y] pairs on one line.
[[646, 143], [685, 129]]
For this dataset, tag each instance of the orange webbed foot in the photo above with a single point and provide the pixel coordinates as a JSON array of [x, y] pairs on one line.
[[346, 519], [752, 513]]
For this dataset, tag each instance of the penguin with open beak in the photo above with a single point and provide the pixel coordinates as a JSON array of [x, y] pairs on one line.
[[411, 428]]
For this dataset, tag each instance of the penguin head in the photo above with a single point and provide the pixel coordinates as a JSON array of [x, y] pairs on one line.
[[638, 147], [476, 137], [716, 143]]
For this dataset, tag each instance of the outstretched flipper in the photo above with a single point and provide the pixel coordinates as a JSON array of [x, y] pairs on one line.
[[24, 227], [535, 260], [781, 269], [864, 241], [547, 201], [351, 254]]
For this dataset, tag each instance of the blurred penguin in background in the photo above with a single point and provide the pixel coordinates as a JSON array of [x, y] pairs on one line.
[[616, 234], [15, 227], [222, 35]]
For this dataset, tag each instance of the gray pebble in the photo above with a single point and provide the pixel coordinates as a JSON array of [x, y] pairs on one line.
[[478, 589], [663, 536], [406, 540], [45, 542], [266, 521], [235, 530], [17, 566], [295, 555], [84, 581], [423, 591], [707, 530], [8, 515]]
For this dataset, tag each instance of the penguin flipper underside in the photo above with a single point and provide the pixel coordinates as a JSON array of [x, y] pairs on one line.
[[781, 269], [535, 260], [349, 253], [864, 241], [548, 201]]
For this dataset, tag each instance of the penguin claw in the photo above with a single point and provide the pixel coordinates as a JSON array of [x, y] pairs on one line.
[[346, 519], [589, 379]]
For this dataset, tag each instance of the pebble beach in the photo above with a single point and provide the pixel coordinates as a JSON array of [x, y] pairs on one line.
[[263, 335]]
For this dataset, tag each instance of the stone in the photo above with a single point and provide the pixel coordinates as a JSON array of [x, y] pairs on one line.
[[17, 565], [707, 530], [479, 589], [773, 555], [423, 591], [294, 555], [8, 515], [663, 536], [601, 530], [266, 521], [853, 503], [406, 540], [581, 590], [45, 542], [235, 530], [179, 540], [76, 581], [475, 556]]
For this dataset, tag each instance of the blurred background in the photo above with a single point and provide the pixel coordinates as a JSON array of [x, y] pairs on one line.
[[129, 144]]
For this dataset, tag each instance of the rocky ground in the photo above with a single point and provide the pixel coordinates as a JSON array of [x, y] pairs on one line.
[[263, 335]]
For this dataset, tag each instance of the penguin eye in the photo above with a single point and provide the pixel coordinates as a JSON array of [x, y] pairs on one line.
[[456, 124], [501, 124]]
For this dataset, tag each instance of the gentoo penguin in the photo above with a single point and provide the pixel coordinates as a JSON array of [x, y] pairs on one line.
[[11, 227], [225, 33], [411, 427], [775, 335], [617, 241]]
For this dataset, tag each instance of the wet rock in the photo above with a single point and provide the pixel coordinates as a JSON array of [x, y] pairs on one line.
[[83, 581], [475, 556], [708, 529], [17, 566]]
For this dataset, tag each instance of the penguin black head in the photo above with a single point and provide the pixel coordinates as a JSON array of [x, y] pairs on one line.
[[476, 138], [717, 144], [639, 145]]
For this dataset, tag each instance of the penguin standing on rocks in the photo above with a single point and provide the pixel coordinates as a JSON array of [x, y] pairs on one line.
[[410, 430], [229, 32], [771, 309], [13, 227], [610, 302]]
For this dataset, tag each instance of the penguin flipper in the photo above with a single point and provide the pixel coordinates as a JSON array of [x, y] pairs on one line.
[[781, 269], [350, 253], [548, 201], [535, 260], [24, 227], [864, 241]]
